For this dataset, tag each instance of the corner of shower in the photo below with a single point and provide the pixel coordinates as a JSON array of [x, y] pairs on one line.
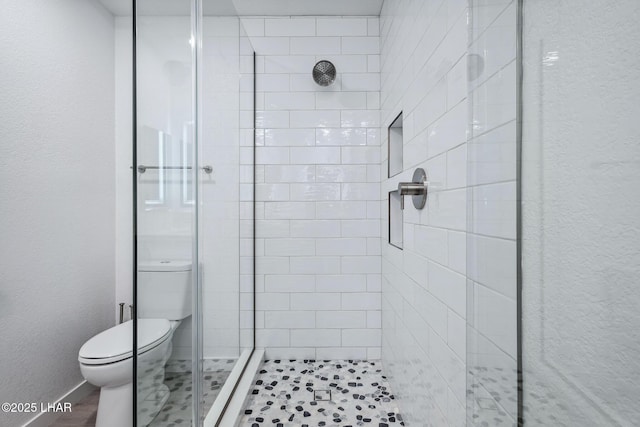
[[194, 214]]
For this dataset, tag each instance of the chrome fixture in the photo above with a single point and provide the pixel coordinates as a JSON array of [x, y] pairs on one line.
[[143, 168], [324, 73], [416, 189], [121, 312]]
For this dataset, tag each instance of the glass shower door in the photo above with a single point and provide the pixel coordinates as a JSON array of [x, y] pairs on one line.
[[195, 209], [166, 230], [225, 208]]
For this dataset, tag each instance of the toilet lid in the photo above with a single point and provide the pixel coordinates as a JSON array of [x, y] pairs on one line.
[[116, 343]]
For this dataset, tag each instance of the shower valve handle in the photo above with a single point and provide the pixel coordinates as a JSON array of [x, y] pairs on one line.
[[417, 189]]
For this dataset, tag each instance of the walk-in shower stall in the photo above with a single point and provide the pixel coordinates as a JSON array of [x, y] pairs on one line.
[[536, 293], [320, 213]]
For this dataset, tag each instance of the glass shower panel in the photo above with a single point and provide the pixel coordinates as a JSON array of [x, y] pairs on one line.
[[492, 165], [227, 199], [581, 222], [166, 230], [195, 209], [247, 194], [219, 216], [225, 219]]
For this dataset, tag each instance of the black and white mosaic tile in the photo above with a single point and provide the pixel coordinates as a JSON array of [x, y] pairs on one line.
[[492, 399], [177, 411], [285, 394], [492, 396]]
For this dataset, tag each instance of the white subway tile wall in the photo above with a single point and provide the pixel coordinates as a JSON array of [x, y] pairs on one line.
[[491, 242], [424, 286], [318, 188]]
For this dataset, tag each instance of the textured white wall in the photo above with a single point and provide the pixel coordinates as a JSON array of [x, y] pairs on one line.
[[57, 211], [424, 71], [581, 174], [123, 149], [318, 181]]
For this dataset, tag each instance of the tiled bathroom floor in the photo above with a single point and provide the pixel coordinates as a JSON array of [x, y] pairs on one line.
[[490, 391], [493, 390], [177, 411], [283, 395]]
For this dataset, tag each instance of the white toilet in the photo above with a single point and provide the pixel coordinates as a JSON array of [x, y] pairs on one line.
[[106, 360]]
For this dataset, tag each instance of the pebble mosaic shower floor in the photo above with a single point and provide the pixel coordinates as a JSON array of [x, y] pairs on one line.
[[177, 411], [292, 393]]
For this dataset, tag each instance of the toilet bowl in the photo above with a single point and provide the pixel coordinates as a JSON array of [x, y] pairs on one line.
[[106, 360]]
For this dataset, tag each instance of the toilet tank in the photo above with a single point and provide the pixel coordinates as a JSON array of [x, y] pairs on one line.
[[164, 289]]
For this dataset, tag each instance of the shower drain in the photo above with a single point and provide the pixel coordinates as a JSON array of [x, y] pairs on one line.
[[321, 395], [487, 403]]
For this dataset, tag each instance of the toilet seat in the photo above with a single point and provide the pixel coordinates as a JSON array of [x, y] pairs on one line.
[[116, 343]]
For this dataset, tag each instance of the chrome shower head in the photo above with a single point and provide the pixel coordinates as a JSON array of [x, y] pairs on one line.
[[324, 73]]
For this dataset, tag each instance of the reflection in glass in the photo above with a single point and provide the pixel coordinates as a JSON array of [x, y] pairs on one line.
[[492, 257], [153, 146], [167, 273], [195, 208]]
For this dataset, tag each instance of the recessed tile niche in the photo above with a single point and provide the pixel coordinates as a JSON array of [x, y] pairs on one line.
[[395, 220], [395, 147]]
